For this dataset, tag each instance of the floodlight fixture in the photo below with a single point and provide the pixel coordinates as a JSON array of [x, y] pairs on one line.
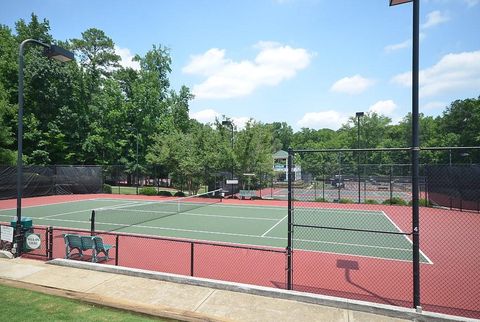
[[396, 2]]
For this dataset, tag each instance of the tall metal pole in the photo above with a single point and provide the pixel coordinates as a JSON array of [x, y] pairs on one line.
[[290, 220], [18, 227], [136, 166], [231, 173], [415, 155], [358, 114]]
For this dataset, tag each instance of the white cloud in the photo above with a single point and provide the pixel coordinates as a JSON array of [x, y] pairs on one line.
[[126, 58], [453, 72], [240, 122], [205, 116], [226, 78], [433, 106], [472, 3], [325, 119], [383, 107], [352, 85], [435, 18], [402, 45]]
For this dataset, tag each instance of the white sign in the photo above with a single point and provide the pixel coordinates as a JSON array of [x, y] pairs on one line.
[[232, 181], [6, 233], [33, 241]]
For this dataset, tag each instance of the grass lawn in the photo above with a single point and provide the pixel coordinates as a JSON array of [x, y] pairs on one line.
[[18, 304]]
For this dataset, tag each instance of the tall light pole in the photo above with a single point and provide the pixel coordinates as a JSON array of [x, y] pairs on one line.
[[136, 166], [358, 115], [230, 124], [51, 51], [415, 148]]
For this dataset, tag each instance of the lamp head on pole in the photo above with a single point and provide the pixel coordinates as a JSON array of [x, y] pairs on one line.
[[360, 114], [396, 2], [227, 123], [59, 53]]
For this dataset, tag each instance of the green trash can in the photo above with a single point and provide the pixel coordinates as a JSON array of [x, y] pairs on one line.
[[26, 224]]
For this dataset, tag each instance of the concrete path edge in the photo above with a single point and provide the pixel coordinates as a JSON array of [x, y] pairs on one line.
[[356, 305]]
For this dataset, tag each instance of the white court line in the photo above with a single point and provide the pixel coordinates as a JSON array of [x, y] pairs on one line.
[[254, 236], [274, 226], [409, 240], [62, 214], [185, 214], [52, 204]]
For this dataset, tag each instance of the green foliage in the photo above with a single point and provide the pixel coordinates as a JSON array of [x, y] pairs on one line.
[[165, 193], [148, 191], [179, 194], [371, 201], [345, 200], [422, 202], [107, 188], [321, 200], [395, 201]]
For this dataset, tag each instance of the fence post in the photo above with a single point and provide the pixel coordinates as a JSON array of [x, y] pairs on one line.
[[391, 185], [50, 242], [92, 223], [290, 224], [116, 249], [323, 188], [192, 258]]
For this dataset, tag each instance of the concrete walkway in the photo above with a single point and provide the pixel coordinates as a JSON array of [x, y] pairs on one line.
[[191, 299]]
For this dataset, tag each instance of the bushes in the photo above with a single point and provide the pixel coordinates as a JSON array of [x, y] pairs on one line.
[[107, 188], [371, 202], [345, 200], [421, 202], [165, 193], [148, 191], [395, 201], [321, 200], [178, 194]]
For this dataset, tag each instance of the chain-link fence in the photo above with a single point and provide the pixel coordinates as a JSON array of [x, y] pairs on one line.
[[351, 228], [51, 180]]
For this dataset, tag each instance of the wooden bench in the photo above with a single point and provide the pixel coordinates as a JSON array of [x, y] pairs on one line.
[[244, 194], [81, 243]]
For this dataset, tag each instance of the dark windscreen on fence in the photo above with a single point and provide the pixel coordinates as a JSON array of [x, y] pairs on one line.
[[454, 186], [51, 180]]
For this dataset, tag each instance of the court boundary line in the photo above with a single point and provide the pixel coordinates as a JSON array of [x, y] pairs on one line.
[[263, 235], [409, 240], [272, 237]]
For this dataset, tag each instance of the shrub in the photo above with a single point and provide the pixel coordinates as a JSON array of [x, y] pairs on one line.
[[256, 198], [422, 202], [179, 194], [321, 200], [371, 202], [345, 200], [395, 201], [148, 191], [107, 188], [165, 193]]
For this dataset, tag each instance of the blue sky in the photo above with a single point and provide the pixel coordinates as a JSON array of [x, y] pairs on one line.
[[310, 63]]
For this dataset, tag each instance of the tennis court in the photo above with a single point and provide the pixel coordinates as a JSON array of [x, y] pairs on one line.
[[210, 219]]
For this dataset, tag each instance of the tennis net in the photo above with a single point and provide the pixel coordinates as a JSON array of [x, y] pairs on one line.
[[137, 212]]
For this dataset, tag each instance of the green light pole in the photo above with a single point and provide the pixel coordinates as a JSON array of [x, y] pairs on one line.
[[51, 51]]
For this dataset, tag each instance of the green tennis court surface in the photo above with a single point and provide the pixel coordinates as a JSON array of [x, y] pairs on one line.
[[252, 225]]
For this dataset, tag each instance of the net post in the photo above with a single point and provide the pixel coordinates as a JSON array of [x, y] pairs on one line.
[[290, 224], [92, 223]]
